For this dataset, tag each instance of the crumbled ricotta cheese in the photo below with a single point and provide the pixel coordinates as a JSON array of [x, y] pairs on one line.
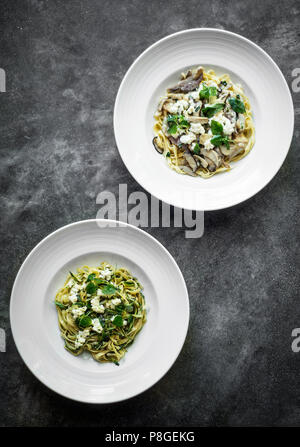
[[188, 139], [105, 274], [197, 128], [81, 337], [112, 303], [97, 325], [208, 145], [96, 306], [78, 311], [195, 95]]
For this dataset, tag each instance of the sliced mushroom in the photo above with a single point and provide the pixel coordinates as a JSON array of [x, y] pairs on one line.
[[211, 166], [198, 73], [173, 140], [157, 148], [189, 83], [197, 119], [213, 156], [204, 137], [188, 171], [202, 161], [190, 159]]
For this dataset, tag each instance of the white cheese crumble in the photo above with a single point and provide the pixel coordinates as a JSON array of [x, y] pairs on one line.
[[188, 139], [105, 274], [81, 337], [197, 128], [78, 311], [208, 145], [97, 325], [96, 306], [112, 303]]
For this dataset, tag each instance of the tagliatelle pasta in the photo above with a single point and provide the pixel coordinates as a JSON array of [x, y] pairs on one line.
[[203, 123], [100, 310]]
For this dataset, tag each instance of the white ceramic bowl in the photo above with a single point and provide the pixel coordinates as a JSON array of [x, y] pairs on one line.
[[34, 317], [158, 68]]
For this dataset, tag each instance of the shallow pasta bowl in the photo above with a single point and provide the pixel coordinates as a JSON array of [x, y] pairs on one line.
[[158, 68], [34, 318]]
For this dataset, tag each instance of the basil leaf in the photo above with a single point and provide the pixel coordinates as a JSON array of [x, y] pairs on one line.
[[168, 154], [91, 288], [182, 122], [210, 110], [218, 140], [216, 128], [196, 149], [207, 92], [172, 129], [237, 105], [172, 118], [118, 321], [84, 321], [109, 290], [60, 305], [91, 277]]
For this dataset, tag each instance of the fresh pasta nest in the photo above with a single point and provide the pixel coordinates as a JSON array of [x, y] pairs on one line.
[[100, 310], [203, 123]]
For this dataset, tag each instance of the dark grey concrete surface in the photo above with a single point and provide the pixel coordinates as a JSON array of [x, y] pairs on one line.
[[64, 61]]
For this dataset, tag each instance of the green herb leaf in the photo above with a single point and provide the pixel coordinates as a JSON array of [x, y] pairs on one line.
[[91, 288], [168, 154], [172, 129], [118, 321], [237, 105], [216, 128], [218, 140], [210, 110], [109, 290], [60, 305], [207, 92], [91, 277], [84, 321], [196, 149]]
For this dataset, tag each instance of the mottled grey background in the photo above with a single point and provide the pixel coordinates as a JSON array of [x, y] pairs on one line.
[[64, 62]]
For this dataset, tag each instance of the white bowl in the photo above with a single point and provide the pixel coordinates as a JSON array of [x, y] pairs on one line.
[[158, 68], [34, 317]]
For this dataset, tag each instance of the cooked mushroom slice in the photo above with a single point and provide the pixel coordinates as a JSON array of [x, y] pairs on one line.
[[213, 156], [190, 159], [198, 73], [157, 148], [173, 140], [185, 75], [211, 166], [201, 160], [197, 119], [188, 84], [204, 137], [188, 171]]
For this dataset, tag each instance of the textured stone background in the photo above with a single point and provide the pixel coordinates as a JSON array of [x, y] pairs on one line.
[[64, 62]]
